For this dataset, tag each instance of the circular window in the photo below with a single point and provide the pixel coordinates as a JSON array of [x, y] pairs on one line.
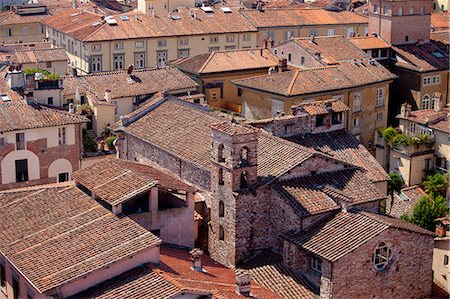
[[382, 256]]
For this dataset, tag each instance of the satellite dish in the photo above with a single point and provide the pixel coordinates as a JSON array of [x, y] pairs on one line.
[[130, 69]]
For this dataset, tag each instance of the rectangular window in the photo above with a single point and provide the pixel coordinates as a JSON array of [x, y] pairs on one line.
[[313, 32], [139, 60], [356, 122], [270, 35], [412, 128], [247, 37], [379, 115], [230, 38], [162, 43], [316, 264], [357, 102], [350, 31], [302, 60], [96, 48], [9, 32], [384, 53], [116, 107], [214, 96], [445, 260], [2, 277], [25, 30], [2, 141], [288, 35], [230, 48], [48, 65], [277, 107], [62, 136], [21, 170], [161, 58], [374, 53], [96, 64], [213, 49], [139, 44], [50, 101], [213, 39], [118, 46], [20, 141], [63, 177], [380, 97], [15, 287], [184, 53], [184, 41], [118, 61], [330, 32]]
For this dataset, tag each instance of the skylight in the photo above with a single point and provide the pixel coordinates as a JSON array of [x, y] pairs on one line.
[[175, 17], [5, 98], [96, 24], [74, 14], [124, 18], [438, 55], [207, 9], [226, 9], [111, 21]]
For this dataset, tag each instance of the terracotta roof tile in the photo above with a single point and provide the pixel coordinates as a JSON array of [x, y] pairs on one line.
[[341, 144], [313, 80], [37, 55], [233, 128], [301, 17], [74, 237], [438, 120], [342, 233], [140, 25], [441, 37], [440, 20], [321, 192], [404, 202], [141, 82], [423, 58], [116, 181], [227, 61], [12, 18], [21, 116], [320, 107], [369, 42]]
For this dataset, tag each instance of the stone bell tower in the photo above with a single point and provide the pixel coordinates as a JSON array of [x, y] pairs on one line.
[[233, 170]]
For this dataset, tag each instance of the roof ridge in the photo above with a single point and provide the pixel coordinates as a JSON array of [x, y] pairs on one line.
[[291, 84], [206, 62]]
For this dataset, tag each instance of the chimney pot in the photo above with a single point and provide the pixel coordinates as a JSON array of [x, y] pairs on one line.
[[243, 282], [108, 96], [196, 258]]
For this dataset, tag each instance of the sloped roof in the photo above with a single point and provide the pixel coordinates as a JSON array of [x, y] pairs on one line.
[[341, 144], [321, 192], [60, 234], [12, 18], [429, 117], [184, 130], [345, 231], [141, 82], [320, 107], [301, 17], [404, 202], [37, 55], [441, 37], [314, 80], [369, 42], [440, 20], [116, 181], [21, 116], [227, 61], [138, 25], [422, 58]]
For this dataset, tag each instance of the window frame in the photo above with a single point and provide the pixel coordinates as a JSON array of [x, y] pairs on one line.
[[21, 143], [316, 264], [62, 136], [386, 259], [380, 97]]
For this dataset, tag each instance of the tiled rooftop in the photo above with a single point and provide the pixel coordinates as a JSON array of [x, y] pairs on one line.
[[227, 61], [116, 181], [423, 58], [60, 234], [320, 107], [341, 144], [234, 128], [369, 42], [342, 233], [21, 116], [441, 37], [139, 25], [320, 192], [436, 119], [313, 80], [440, 20], [36, 56], [12, 18], [301, 17], [184, 130], [141, 82], [404, 202]]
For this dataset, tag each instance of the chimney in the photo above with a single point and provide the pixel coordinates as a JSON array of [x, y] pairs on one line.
[[437, 99], [196, 258], [243, 281], [15, 78], [264, 45], [95, 9], [108, 96], [282, 65], [271, 42], [405, 110], [71, 109]]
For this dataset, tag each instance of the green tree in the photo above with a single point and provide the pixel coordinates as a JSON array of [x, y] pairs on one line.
[[427, 210], [396, 184], [436, 184]]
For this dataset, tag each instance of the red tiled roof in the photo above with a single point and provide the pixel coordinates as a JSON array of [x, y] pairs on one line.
[[341, 144], [369, 42], [39, 55], [314, 80], [226, 61], [234, 128], [440, 20], [116, 181], [428, 117], [342, 233], [441, 37], [301, 17], [320, 192], [12, 18], [423, 58], [21, 116], [60, 234], [320, 107], [404, 202]]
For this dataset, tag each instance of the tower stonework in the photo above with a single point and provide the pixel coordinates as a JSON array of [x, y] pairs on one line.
[[233, 169], [401, 22]]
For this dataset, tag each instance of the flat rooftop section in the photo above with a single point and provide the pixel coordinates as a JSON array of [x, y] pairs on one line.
[[54, 234]]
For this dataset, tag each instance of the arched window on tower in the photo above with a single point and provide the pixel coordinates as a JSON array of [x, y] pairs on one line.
[[220, 153], [436, 100], [426, 102], [221, 233], [375, 8], [221, 209], [411, 10], [400, 11], [244, 179], [220, 177], [385, 10], [243, 156], [422, 10]]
